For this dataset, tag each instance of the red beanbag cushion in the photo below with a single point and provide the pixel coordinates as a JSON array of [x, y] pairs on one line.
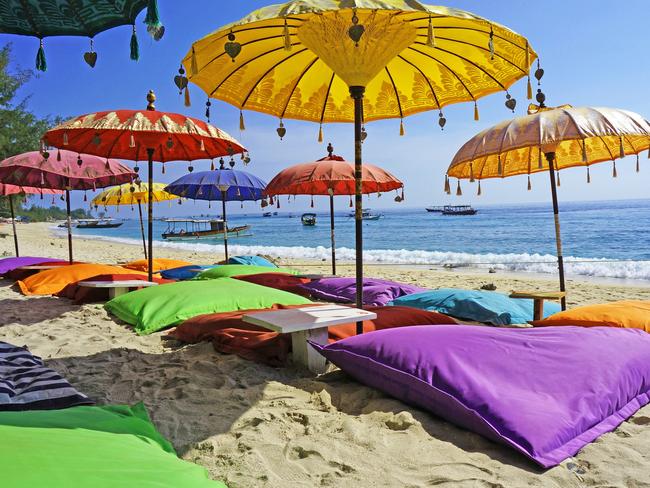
[[280, 281]]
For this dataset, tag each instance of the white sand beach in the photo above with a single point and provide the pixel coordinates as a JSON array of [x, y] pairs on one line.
[[252, 425]]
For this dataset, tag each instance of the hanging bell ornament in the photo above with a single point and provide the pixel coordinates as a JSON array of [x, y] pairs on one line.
[[539, 74], [232, 47], [356, 31], [511, 103], [247, 160], [90, 57], [222, 163], [79, 161], [136, 168], [231, 163], [208, 104], [540, 97], [441, 121], [364, 134], [190, 168], [180, 80], [169, 143], [281, 130]]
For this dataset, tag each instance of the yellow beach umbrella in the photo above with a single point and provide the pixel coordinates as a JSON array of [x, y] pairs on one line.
[[356, 61], [133, 194], [551, 139]]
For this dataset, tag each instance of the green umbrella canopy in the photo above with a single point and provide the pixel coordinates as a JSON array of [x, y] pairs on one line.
[[45, 18]]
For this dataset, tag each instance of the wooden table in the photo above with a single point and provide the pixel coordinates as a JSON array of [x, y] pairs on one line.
[[538, 298], [117, 288], [308, 323]]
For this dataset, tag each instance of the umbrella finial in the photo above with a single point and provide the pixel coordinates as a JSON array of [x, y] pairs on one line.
[[330, 150], [151, 98]]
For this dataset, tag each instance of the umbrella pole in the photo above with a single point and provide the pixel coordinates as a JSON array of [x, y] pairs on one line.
[[150, 151], [225, 224], [550, 157], [356, 92], [144, 242], [13, 224], [332, 234], [67, 207]]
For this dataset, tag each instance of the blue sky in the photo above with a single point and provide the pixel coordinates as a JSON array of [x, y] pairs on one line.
[[594, 53]]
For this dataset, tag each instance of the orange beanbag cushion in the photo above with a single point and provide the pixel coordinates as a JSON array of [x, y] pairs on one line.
[[52, 281], [628, 314], [159, 264]]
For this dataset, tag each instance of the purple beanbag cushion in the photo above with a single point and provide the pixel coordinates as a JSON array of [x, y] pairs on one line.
[[9, 264], [375, 292], [544, 392]]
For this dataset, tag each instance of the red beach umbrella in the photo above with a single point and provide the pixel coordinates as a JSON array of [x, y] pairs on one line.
[[65, 170], [332, 175], [139, 134], [7, 190]]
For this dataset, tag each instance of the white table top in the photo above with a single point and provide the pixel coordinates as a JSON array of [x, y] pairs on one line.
[[116, 284], [309, 317]]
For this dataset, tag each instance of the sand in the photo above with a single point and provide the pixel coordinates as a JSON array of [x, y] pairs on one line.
[[256, 426]]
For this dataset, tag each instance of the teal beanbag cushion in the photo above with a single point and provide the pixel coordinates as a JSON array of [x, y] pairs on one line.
[[102, 447], [229, 270], [488, 307], [155, 308], [251, 260]]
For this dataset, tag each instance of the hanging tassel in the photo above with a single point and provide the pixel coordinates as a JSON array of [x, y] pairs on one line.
[[540, 164], [65, 139], [584, 152], [588, 175], [135, 47], [320, 133], [499, 166], [491, 44], [614, 172], [401, 127], [163, 170], [351, 202], [242, 126], [188, 102], [529, 89], [431, 37], [638, 167], [476, 118], [459, 192], [478, 193], [530, 187], [621, 148], [58, 156], [447, 187], [208, 103], [202, 145], [41, 63], [471, 172], [132, 141], [312, 201], [154, 26], [287, 38], [193, 66], [277, 203], [559, 183], [212, 165]]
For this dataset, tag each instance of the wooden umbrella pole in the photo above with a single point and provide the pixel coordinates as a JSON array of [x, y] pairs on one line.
[[67, 208], [356, 92], [225, 224], [550, 157], [150, 151], [332, 234], [144, 241], [13, 224]]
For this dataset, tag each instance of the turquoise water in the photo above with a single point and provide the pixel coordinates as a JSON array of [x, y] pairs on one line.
[[517, 238]]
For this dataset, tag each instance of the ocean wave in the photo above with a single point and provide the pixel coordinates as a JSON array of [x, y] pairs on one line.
[[522, 262]]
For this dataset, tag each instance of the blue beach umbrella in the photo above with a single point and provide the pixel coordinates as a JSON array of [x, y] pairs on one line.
[[225, 185]]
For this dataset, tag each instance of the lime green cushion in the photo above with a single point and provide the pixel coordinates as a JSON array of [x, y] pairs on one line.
[[229, 270], [155, 308], [102, 447]]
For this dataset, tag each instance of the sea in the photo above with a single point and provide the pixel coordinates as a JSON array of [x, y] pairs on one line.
[[605, 239]]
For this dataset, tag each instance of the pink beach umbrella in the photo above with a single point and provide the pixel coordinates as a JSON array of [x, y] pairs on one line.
[[64, 170], [8, 190]]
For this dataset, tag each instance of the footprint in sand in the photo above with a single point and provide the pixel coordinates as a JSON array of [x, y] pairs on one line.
[[640, 420]]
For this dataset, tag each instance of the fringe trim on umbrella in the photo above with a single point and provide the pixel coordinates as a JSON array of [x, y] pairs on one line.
[[401, 127], [529, 89], [459, 192], [638, 167], [242, 126], [476, 117], [312, 202], [530, 187], [351, 202], [588, 175], [41, 62], [320, 133], [478, 193], [614, 172], [135, 47], [447, 187], [559, 183], [188, 102]]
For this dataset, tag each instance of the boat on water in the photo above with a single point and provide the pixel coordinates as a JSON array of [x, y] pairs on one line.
[[367, 214], [308, 219], [267, 214], [194, 229], [93, 224], [453, 210]]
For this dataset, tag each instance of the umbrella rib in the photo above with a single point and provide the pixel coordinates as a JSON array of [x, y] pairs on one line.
[[327, 95], [267, 72], [296, 85], [448, 69], [399, 103], [433, 91]]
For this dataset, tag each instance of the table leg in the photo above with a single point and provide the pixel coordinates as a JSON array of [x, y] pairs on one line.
[[538, 308], [306, 355], [116, 292]]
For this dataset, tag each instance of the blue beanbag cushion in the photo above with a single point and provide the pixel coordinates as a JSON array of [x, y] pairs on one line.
[[184, 272], [253, 260], [488, 307]]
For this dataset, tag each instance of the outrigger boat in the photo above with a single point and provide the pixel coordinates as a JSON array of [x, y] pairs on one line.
[[367, 214], [94, 224], [192, 229], [453, 210], [308, 219]]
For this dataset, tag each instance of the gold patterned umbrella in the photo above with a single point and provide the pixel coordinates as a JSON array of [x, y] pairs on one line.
[[133, 193], [356, 61], [551, 139]]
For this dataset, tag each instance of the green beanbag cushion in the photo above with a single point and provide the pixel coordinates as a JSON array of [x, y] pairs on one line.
[[229, 270], [155, 308], [102, 447]]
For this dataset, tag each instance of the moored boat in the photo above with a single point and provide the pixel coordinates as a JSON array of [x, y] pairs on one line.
[[458, 210], [308, 219], [192, 229], [97, 224]]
